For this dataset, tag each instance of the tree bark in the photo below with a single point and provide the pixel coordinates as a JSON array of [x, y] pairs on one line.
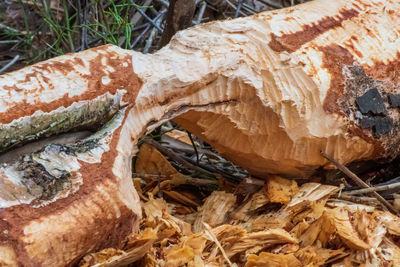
[[269, 92], [179, 17]]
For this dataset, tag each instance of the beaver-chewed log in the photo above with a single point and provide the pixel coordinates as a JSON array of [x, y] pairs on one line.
[[269, 92]]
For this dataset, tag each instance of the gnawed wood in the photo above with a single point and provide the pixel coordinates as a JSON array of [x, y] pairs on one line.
[[269, 92]]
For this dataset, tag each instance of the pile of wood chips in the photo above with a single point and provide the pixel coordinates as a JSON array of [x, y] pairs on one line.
[[277, 224]]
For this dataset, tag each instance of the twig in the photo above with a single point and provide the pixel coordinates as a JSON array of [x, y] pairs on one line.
[[146, 17], [140, 36], [238, 8], [175, 157], [186, 148], [84, 41], [372, 189], [8, 42], [147, 176], [194, 147], [136, 18], [9, 64], [201, 13], [359, 200], [249, 9], [141, 26], [235, 8], [213, 169], [359, 182], [164, 2], [153, 32], [189, 180], [271, 3], [2, 27], [144, 31]]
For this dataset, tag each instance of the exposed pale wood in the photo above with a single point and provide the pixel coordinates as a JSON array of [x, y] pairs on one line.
[[268, 92]]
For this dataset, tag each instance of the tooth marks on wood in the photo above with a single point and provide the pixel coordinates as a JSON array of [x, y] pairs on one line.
[[371, 102]]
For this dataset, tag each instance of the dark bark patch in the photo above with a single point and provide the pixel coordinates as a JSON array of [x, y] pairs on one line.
[[394, 100], [371, 102], [367, 97], [367, 122], [383, 125], [379, 125]]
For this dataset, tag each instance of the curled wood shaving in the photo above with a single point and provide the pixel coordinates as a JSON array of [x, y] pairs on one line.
[[307, 227]]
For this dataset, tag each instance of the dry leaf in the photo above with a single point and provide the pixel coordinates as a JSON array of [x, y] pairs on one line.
[[150, 161]]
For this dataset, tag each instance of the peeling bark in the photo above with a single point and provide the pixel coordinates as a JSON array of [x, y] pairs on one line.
[[269, 92]]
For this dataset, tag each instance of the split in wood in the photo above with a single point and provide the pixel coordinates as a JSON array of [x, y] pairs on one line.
[[189, 180]]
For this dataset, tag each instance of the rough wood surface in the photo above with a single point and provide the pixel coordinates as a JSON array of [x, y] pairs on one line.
[[269, 92]]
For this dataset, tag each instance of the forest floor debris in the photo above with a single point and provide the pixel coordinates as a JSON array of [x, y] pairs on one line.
[[281, 223]]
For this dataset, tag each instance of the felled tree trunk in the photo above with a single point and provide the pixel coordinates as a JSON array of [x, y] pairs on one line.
[[269, 92]]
